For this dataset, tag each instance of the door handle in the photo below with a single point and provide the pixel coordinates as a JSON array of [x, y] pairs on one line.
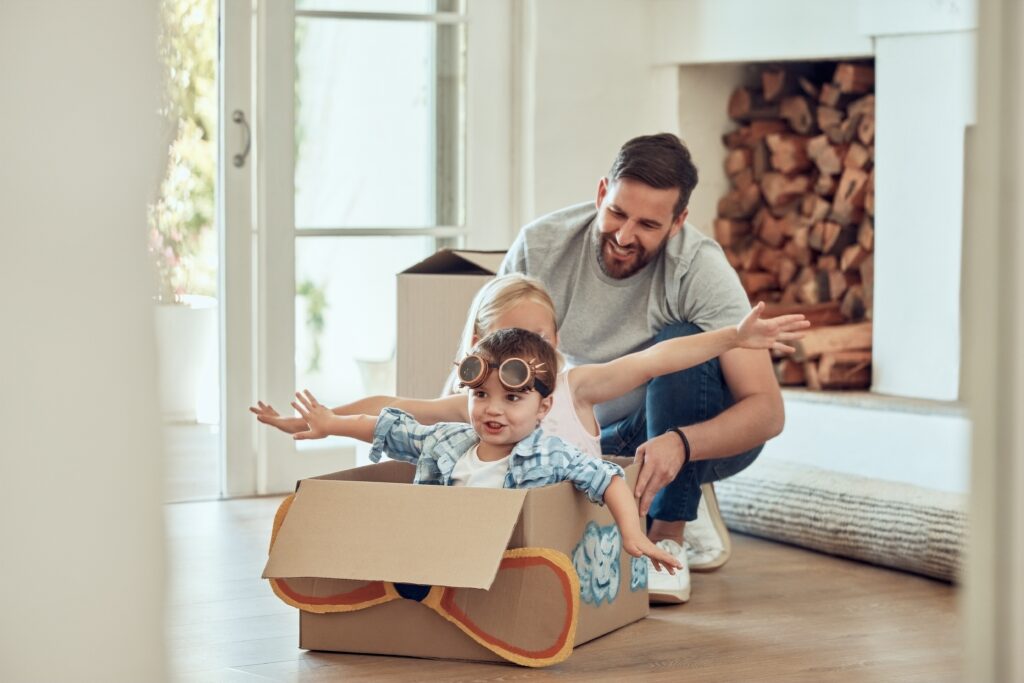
[[239, 117]]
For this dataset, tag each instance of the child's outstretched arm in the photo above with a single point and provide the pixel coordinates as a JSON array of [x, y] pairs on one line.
[[426, 411], [600, 382], [635, 542], [320, 421]]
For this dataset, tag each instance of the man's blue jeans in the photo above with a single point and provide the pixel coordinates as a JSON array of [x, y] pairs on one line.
[[682, 398]]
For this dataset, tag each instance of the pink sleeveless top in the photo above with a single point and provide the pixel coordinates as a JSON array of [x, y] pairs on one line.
[[563, 422]]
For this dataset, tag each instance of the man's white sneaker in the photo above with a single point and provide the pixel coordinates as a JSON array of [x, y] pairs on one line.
[[663, 587], [706, 538]]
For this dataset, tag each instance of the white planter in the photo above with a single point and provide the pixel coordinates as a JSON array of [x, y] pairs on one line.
[[186, 337]]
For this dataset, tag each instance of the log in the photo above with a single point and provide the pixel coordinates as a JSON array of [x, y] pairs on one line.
[[846, 131], [833, 338], [825, 185], [852, 257], [826, 156], [797, 248], [837, 237], [869, 195], [798, 113], [779, 189], [857, 156], [817, 236], [737, 160], [811, 374], [845, 370], [866, 129], [866, 234], [854, 78], [733, 257], [744, 179], [828, 118], [737, 138], [788, 153], [750, 254], [731, 233], [836, 285], [769, 261], [849, 199], [786, 270], [829, 95], [761, 160], [809, 87], [812, 286], [852, 307], [738, 204], [814, 208], [818, 314], [773, 82], [867, 278], [770, 230], [759, 130], [789, 373], [827, 263], [746, 105], [754, 282], [865, 106], [789, 294]]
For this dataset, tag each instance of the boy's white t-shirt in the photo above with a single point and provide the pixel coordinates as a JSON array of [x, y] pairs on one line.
[[470, 470]]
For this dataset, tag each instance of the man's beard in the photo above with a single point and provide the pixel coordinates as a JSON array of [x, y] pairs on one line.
[[620, 270]]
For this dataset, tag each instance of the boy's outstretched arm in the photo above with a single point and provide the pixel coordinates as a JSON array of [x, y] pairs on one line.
[[426, 411], [635, 542], [320, 421], [600, 382]]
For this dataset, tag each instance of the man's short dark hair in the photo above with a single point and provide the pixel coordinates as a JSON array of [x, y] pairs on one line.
[[661, 161], [513, 342]]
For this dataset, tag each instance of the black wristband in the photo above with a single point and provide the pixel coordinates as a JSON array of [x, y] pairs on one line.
[[686, 443]]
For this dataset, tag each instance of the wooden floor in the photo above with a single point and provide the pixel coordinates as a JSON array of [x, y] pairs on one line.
[[774, 613]]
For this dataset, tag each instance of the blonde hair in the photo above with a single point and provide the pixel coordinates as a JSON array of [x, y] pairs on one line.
[[494, 300]]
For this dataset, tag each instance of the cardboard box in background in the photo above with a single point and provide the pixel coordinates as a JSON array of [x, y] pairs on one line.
[[433, 299], [345, 531]]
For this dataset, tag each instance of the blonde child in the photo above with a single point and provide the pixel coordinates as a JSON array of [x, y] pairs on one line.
[[510, 374]]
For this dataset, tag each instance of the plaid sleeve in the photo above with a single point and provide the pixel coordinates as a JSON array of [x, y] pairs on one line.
[[590, 475], [399, 435]]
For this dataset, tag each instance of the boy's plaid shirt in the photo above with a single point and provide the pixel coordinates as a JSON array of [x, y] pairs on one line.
[[535, 461]]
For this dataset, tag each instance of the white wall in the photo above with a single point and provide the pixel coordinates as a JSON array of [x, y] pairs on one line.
[[593, 85], [80, 453]]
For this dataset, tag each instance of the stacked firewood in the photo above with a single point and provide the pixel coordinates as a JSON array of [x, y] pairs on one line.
[[797, 223]]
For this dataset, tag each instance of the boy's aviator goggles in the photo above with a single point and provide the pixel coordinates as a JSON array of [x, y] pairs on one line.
[[515, 374]]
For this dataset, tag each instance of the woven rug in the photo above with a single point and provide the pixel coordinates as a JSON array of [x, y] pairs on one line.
[[886, 523]]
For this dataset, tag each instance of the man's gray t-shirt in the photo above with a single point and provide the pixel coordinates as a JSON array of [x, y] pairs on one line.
[[601, 318]]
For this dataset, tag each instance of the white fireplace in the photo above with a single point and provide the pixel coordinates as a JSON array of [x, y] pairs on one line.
[[910, 427]]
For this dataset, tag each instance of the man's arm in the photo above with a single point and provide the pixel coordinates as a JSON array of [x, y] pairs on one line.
[[756, 416]]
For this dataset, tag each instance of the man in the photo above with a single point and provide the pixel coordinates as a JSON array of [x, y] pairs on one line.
[[626, 272]]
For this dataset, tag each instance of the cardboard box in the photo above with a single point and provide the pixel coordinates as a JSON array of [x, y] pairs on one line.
[[343, 537], [433, 300]]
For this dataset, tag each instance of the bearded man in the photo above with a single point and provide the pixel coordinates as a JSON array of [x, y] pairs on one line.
[[626, 272]]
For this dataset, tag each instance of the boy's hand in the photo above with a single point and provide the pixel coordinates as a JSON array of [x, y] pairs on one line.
[[641, 546], [266, 414], [318, 418], [755, 333]]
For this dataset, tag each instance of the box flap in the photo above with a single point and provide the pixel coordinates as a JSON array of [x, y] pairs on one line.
[[459, 262], [429, 535]]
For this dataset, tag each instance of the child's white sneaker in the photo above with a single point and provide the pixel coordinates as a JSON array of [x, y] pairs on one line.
[[663, 587], [706, 539]]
